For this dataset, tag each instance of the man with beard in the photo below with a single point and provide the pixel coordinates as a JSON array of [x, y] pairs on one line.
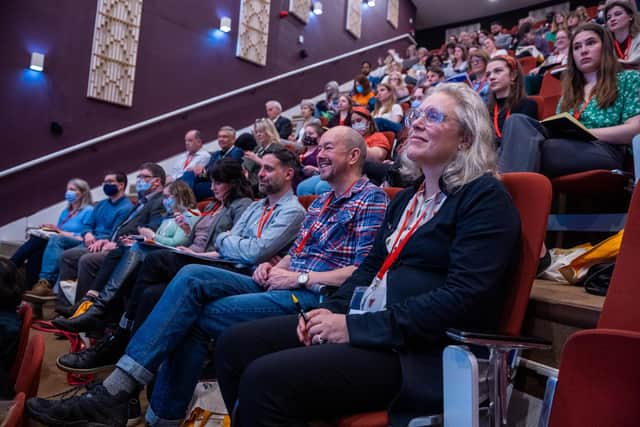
[[201, 301]]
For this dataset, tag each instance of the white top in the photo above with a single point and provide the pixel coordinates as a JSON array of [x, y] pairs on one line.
[[396, 111], [187, 161]]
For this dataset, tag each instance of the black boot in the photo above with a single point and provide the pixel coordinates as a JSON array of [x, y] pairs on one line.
[[100, 357], [90, 320]]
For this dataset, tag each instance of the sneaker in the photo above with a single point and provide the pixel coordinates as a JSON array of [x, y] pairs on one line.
[[41, 289], [103, 356], [95, 408]]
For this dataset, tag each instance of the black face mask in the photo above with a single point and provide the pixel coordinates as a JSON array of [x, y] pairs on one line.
[[110, 189], [308, 140]]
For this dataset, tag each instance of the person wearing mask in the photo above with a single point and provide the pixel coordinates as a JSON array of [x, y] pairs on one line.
[[624, 23], [106, 215], [507, 96], [72, 224], [599, 94], [232, 195], [362, 92], [378, 146], [478, 61], [441, 261], [343, 114], [387, 113], [312, 183]]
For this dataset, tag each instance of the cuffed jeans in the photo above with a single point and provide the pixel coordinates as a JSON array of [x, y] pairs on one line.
[[53, 252], [198, 304]]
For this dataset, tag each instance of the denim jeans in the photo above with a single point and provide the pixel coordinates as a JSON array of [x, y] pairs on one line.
[[312, 185], [52, 254], [198, 304]]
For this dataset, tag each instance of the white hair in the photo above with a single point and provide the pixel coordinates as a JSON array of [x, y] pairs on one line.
[[274, 104]]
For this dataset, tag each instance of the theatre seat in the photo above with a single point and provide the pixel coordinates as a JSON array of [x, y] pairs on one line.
[[590, 182], [29, 374], [26, 316], [540, 104], [15, 415], [527, 64]]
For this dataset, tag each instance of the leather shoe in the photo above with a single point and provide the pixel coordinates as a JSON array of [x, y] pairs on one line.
[[102, 356], [91, 320]]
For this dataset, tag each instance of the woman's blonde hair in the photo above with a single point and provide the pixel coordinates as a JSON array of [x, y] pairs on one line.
[[269, 128], [385, 107], [85, 192], [183, 195], [476, 155]]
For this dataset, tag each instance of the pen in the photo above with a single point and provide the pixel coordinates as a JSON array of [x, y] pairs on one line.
[[299, 308]]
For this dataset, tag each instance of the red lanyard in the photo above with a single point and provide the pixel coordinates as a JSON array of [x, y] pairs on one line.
[[481, 84], [496, 112], [264, 218], [397, 247], [312, 228], [69, 216], [187, 161], [619, 52], [578, 113]]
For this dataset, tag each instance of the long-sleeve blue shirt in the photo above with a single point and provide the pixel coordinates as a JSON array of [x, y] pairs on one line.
[[107, 215], [77, 224]]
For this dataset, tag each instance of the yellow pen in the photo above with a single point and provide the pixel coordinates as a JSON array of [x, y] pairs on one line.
[[301, 312]]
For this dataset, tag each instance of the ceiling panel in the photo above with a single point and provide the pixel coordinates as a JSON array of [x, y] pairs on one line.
[[433, 13]]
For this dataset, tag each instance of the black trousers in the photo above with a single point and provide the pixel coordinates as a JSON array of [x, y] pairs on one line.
[[31, 251], [279, 382]]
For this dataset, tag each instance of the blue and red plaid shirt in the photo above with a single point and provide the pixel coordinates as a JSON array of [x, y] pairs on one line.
[[344, 233]]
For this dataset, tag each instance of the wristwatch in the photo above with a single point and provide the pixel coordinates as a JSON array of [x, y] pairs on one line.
[[303, 279]]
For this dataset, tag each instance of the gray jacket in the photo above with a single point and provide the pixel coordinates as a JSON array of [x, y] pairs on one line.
[[223, 221]]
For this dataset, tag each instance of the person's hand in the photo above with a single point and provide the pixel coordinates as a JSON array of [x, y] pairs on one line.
[[185, 249], [303, 327], [182, 222], [89, 239], [146, 232], [324, 326], [252, 156], [50, 227], [310, 170], [97, 245], [261, 274], [109, 246], [275, 260], [280, 278], [198, 170]]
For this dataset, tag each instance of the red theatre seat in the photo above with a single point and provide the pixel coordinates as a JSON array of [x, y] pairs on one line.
[[29, 373], [15, 415], [26, 315], [527, 63]]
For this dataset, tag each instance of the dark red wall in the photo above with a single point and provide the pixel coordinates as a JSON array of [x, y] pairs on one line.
[[182, 59]]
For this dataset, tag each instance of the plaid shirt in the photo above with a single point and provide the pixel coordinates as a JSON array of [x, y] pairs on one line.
[[344, 234]]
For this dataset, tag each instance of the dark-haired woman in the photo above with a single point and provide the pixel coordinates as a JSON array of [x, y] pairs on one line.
[[312, 184], [507, 96], [598, 93], [343, 114], [232, 193], [624, 23]]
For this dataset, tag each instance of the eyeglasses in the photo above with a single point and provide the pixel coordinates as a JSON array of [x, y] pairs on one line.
[[431, 116], [476, 62]]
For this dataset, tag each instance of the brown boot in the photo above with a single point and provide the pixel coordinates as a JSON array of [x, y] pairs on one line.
[[41, 289]]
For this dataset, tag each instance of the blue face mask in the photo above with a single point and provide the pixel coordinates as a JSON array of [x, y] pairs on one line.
[[169, 203], [142, 186], [110, 189], [359, 88], [415, 103], [70, 196]]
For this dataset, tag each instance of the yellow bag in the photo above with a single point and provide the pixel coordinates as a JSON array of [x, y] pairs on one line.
[[202, 418], [207, 408], [605, 251], [86, 305]]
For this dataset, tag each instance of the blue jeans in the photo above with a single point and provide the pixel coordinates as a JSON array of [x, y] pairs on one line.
[[201, 186], [199, 303], [312, 185], [55, 247]]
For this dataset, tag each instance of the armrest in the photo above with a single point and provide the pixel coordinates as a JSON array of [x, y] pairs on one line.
[[498, 341]]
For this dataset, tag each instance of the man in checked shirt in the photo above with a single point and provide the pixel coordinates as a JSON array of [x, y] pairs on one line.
[[202, 301]]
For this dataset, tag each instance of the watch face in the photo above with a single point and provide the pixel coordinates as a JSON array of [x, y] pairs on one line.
[[303, 278]]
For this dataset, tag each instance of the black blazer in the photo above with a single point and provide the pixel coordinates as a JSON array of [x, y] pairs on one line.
[[284, 127], [151, 215], [451, 274]]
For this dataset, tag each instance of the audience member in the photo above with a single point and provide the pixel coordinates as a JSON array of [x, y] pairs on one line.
[[104, 218], [282, 124], [398, 86], [502, 39], [581, 11], [489, 46], [307, 109], [557, 24], [558, 58], [531, 44], [194, 157], [72, 224], [343, 114], [624, 23], [10, 325], [266, 136], [478, 61], [378, 146], [459, 63], [381, 337], [507, 95], [82, 263], [362, 92], [597, 93], [198, 179], [435, 75], [328, 107], [312, 183], [387, 113], [573, 21]]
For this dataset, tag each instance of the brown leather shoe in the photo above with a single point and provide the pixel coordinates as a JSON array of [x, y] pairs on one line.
[[41, 289]]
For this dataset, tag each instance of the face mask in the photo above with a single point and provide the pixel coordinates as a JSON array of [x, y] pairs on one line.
[[70, 196], [359, 88], [169, 203], [110, 189], [359, 126], [307, 140], [142, 186], [415, 103]]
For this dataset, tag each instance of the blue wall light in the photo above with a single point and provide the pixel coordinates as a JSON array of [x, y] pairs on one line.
[[37, 62]]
